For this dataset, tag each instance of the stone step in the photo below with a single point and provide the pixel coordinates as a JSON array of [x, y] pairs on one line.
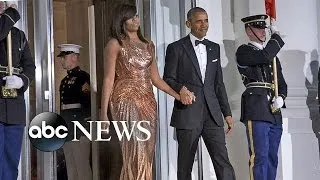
[[295, 101], [297, 92], [296, 112], [297, 125]]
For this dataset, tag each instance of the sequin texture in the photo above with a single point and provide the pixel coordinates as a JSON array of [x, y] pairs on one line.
[[133, 101]]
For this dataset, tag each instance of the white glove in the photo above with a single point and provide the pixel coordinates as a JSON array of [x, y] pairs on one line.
[[13, 5], [278, 102], [13, 82], [268, 97], [274, 29]]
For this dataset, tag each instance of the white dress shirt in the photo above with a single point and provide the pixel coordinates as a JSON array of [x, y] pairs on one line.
[[201, 53], [259, 46]]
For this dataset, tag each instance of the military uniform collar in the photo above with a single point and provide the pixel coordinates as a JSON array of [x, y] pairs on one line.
[[76, 69], [257, 45]]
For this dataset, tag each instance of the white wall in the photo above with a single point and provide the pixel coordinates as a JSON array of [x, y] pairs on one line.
[[299, 151], [167, 30], [298, 22]]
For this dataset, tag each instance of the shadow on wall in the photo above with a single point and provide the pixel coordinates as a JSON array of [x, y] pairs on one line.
[[231, 76], [287, 59], [312, 98], [301, 84], [236, 142], [230, 72]]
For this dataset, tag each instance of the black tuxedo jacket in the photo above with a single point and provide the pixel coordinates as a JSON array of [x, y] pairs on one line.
[[182, 69]]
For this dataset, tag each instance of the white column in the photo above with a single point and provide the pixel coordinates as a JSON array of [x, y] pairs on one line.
[[318, 23], [167, 30], [238, 147], [299, 153]]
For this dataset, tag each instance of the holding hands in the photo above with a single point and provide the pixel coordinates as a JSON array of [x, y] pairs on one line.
[[186, 97]]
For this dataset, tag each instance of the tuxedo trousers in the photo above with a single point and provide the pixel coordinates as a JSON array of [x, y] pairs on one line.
[[214, 139]]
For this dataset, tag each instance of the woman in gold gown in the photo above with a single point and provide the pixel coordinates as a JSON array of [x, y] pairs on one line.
[[130, 70]]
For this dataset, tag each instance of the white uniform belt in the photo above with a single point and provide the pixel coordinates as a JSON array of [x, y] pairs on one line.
[[70, 106], [260, 85]]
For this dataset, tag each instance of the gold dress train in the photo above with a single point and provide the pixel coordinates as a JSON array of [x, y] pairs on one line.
[[132, 101]]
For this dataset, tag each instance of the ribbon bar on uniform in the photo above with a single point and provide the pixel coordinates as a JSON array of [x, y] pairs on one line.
[[259, 85], [70, 106]]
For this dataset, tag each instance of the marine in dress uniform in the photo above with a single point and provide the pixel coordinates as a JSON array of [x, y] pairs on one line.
[[263, 126], [13, 110], [75, 106]]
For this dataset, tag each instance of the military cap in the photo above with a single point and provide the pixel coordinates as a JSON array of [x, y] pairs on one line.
[[256, 21], [66, 49]]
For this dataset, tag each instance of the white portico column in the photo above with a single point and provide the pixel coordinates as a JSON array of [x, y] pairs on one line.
[[298, 21]]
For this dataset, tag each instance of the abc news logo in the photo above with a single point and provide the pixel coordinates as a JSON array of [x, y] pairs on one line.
[[49, 131]]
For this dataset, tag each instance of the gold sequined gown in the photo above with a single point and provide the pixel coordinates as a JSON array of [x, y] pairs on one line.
[[132, 100]]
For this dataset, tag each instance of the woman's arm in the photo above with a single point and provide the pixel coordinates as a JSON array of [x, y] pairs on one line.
[[160, 83], [110, 53], [157, 81]]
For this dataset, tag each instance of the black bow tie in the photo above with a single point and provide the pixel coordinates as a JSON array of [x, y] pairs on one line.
[[199, 42]]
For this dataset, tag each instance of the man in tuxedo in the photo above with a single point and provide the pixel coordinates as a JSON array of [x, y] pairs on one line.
[[192, 64]]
